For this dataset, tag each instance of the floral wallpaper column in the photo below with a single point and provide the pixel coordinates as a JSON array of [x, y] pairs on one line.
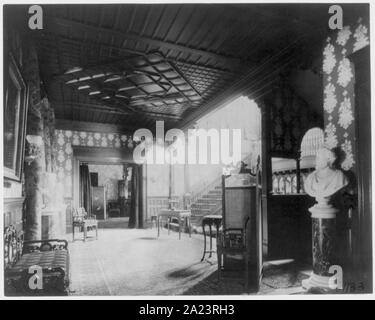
[[65, 139], [338, 83]]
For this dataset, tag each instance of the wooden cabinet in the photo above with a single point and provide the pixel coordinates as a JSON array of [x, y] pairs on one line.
[[124, 197], [289, 227], [239, 210], [99, 207]]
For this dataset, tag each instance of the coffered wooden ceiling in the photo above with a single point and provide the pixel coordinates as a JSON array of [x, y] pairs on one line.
[[134, 64]]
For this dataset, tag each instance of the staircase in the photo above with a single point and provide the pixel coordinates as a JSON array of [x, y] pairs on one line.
[[208, 202]]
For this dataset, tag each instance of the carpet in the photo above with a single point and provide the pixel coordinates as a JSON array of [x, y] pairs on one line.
[[132, 262], [281, 276]]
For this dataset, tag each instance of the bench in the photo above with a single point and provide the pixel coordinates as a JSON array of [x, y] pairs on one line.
[[51, 257]]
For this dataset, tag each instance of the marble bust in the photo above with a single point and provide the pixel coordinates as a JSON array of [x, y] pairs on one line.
[[325, 180]]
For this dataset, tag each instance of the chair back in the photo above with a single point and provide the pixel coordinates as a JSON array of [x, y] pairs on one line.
[[238, 200], [79, 215]]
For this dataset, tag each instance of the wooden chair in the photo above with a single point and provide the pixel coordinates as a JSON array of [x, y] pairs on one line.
[[84, 222], [238, 203], [233, 241], [113, 208]]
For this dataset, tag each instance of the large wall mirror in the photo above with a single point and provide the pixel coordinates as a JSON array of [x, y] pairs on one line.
[[15, 110]]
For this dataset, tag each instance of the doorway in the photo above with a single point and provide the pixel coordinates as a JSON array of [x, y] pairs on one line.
[[110, 189], [113, 172]]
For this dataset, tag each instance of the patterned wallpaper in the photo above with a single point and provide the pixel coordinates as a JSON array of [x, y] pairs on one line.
[[338, 83], [108, 175], [65, 139], [291, 117]]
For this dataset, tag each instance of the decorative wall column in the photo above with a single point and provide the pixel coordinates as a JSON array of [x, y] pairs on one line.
[[266, 170], [48, 134], [187, 194], [35, 127], [343, 128]]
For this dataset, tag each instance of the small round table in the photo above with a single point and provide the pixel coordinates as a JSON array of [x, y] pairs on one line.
[[210, 220]]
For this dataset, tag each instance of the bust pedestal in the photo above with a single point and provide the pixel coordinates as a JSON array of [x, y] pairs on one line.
[[323, 217], [321, 184]]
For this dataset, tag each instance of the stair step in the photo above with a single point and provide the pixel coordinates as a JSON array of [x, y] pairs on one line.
[[209, 200], [215, 191], [203, 205], [200, 211], [211, 196]]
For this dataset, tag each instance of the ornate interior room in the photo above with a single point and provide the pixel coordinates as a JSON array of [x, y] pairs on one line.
[[293, 216]]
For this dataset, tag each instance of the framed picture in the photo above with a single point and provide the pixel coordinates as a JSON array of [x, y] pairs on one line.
[[15, 111]]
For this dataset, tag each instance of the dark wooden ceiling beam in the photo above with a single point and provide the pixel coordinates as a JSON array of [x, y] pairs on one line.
[[156, 99], [63, 124], [234, 62], [116, 110], [92, 106], [84, 42]]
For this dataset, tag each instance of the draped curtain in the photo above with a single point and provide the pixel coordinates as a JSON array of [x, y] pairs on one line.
[[85, 188], [136, 218]]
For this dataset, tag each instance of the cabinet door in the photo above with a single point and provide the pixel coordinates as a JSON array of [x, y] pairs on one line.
[[98, 202]]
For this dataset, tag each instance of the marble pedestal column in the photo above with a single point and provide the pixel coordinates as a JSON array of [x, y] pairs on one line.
[[323, 241]]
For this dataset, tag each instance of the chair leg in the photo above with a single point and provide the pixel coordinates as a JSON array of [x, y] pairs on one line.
[[189, 225], [96, 232], [84, 232], [218, 264]]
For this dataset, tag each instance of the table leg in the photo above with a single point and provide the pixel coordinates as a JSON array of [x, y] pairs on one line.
[[179, 228], [210, 228], [73, 233], [96, 231], [169, 221], [204, 240], [189, 225], [158, 223], [218, 252]]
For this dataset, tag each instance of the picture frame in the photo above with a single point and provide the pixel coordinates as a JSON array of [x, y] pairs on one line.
[[15, 115]]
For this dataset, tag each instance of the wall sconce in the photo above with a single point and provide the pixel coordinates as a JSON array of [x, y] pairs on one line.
[[33, 148]]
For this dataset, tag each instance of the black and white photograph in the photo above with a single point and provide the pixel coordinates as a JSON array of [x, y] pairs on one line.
[[186, 150]]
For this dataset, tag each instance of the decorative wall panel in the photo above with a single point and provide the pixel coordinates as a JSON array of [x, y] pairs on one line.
[[338, 83], [291, 117]]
